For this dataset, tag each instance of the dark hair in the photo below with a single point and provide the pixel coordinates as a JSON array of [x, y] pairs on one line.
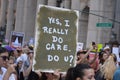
[[69, 74], [3, 50], [30, 47], [43, 77], [93, 43], [76, 72], [81, 52]]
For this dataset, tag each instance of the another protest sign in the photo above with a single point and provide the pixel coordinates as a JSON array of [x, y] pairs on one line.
[[79, 46], [17, 39], [99, 46], [115, 50]]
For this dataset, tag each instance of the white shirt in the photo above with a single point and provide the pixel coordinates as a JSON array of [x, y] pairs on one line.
[[24, 57], [4, 71]]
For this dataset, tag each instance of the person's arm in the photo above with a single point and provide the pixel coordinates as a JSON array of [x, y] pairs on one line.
[[79, 61], [6, 76], [10, 70], [83, 60], [27, 71], [86, 55]]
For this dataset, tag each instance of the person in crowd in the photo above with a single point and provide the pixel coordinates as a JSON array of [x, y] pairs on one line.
[[104, 57], [24, 66], [69, 72], [116, 75], [10, 50], [84, 56], [19, 70], [80, 72], [56, 75], [11, 60], [15, 55], [22, 70], [107, 70], [19, 51], [6, 73], [107, 50], [81, 56]]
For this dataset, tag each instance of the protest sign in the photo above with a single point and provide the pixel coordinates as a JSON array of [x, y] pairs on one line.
[[55, 38], [115, 50], [17, 39], [79, 46], [100, 46]]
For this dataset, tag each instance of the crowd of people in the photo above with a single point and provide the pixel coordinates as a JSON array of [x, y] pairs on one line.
[[17, 63]]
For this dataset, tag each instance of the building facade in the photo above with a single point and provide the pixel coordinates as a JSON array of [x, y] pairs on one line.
[[20, 16]]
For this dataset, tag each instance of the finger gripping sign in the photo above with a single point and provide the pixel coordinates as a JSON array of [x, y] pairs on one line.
[[55, 38]]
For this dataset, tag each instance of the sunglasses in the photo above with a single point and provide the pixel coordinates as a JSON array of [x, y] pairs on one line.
[[5, 58]]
